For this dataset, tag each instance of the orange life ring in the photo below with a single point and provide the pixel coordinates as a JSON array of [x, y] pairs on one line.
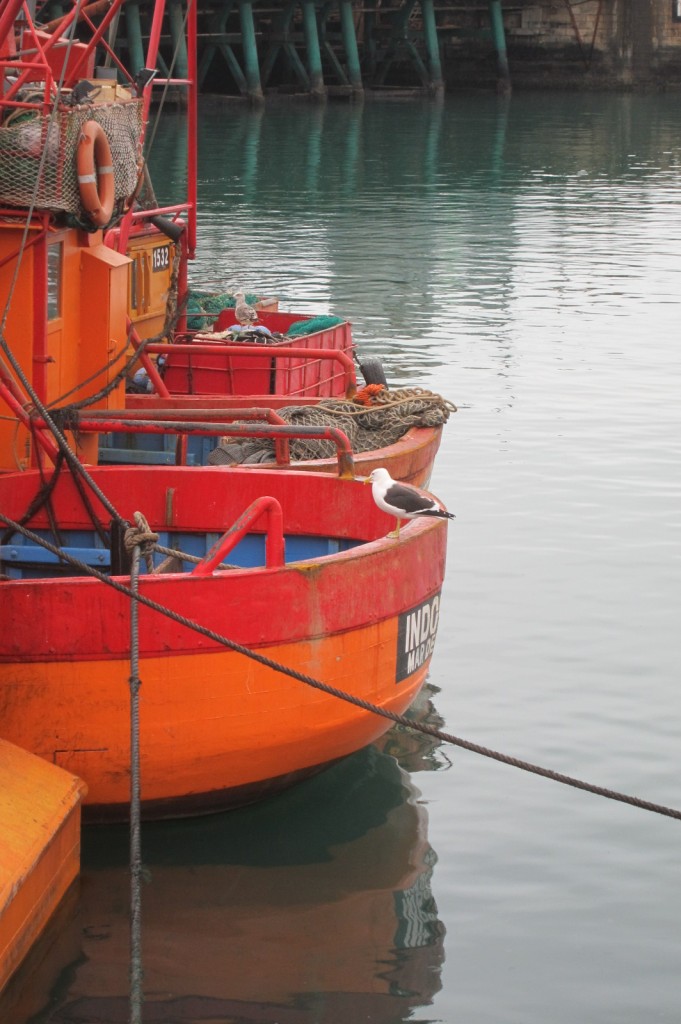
[[95, 173]]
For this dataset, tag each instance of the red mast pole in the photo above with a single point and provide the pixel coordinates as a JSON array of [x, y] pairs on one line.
[[192, 128], [7, 18]]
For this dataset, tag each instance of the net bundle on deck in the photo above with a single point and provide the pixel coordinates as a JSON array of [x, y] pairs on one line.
[[390, 416], [38, 153]]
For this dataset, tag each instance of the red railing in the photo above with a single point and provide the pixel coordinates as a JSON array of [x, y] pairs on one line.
[[274, 536], [105, 424], [276, 352]]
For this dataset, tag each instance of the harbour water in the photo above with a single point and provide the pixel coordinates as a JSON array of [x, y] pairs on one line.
[[521, 257]]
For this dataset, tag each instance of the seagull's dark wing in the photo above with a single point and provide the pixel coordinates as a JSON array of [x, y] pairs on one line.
[[407, 499]]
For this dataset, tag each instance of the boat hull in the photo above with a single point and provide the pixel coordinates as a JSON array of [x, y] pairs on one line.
[[410, 459], [218, 728], [39, 849]]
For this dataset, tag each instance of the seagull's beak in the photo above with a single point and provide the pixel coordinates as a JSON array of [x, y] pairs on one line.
[[367, 480]]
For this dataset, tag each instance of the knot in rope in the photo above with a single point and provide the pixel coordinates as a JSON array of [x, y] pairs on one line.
[[143, 537]]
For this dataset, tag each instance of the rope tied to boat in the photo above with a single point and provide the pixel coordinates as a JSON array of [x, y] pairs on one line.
[[143, 537], [368, 427], [333, 691], [136, 972]]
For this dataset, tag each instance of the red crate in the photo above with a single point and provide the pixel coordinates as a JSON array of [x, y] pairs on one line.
[[219, 374]]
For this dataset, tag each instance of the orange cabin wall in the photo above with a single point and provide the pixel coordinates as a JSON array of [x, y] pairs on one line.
[[89, 328], [149, 288]]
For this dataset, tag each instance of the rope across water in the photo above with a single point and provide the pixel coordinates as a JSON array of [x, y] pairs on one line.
[[476, 748]]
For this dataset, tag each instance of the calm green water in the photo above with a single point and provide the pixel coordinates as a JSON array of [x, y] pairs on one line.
[[522, 258]]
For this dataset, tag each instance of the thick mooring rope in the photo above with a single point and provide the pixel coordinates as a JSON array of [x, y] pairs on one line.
[[547, 773], [136, 992]]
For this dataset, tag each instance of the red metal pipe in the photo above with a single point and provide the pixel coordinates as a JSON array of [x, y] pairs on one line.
[[26, 245], [9, 16], [12, 385], [41, 51], [103, 26], [85, 12], [7, 388], [346, 465], [148, 364], [190, 415], [40, 356], [152, 48], [281, 446], [274, 536], [123, 231], [192, 128]]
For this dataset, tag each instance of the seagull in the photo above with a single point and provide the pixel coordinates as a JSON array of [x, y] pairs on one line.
[[402, 500], [244, 313]]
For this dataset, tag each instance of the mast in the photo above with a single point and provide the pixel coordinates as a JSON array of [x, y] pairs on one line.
[[78, 285]]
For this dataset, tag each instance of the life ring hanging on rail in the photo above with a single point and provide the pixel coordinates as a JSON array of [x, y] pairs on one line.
[[94, 166]]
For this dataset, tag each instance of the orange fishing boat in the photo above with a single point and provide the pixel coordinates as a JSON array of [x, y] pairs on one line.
[[313, 584], [96, 272], [255, 671]]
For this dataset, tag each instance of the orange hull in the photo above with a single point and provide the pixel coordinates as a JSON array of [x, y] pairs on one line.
[[218, 728]]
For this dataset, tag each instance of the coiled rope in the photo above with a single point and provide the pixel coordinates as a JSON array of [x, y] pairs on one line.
[[476, 748], [388, 418]]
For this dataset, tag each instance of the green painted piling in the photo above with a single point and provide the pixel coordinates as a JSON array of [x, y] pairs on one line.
[[177, 35], [350, 44], [435, 83], [314, 56], [133, 26], [499, 37], [251, 66]]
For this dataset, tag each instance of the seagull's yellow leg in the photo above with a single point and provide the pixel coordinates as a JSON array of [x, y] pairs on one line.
[[395, 534]]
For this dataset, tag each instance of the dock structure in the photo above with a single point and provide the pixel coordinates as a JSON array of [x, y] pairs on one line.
[[318, 48]]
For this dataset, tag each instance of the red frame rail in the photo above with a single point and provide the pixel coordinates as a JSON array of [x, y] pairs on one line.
[[274, 536], [344, 453]]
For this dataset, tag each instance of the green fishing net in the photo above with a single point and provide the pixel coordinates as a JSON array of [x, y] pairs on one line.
[[316, 323], [204, 307]]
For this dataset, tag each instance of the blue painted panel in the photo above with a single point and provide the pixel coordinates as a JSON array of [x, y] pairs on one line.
[[24, 560]]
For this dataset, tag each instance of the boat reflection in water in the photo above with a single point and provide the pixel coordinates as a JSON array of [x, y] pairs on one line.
[[312, 907]]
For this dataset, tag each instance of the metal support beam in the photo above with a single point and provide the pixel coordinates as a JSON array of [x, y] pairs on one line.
[[350, 44], [216, 29], [282, 43], [314, 56], [499, 37], [436, 84], [402, 38], [177, 36], [134, 33], [251, 66]]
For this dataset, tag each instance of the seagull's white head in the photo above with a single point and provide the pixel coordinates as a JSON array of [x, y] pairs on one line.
[[379, 476]]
